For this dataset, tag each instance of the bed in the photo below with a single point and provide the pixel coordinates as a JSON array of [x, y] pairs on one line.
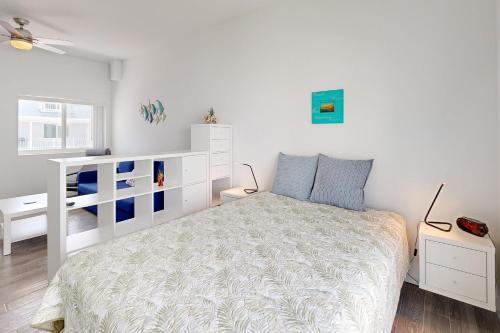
[[267, 263]]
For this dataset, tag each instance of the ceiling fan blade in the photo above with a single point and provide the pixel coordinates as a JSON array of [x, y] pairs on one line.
[[49, 48], [4, 38], [53, 41], [10, 29]]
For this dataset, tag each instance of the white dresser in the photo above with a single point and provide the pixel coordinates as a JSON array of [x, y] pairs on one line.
[[458, 265], [217, 139]]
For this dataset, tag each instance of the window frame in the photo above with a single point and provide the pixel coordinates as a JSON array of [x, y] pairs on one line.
[[63, 149]]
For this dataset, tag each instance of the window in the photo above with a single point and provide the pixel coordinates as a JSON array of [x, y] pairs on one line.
[[50, 131], [51, 107], [45, 125]]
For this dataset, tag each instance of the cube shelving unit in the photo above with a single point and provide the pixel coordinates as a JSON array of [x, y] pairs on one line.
[[186, 190]]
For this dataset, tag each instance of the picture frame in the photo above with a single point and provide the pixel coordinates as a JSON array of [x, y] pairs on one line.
[[328, 107]]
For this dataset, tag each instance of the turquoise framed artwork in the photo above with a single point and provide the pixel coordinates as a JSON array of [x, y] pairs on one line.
[[328, 107]]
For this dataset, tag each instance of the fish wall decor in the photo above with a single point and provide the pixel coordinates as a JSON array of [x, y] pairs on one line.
[[153, 112]]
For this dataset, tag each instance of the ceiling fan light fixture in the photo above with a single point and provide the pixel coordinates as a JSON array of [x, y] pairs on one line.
[[22, 39], [21, 44]]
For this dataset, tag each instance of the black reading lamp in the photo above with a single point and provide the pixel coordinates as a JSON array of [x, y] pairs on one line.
[[251, 190], [437, 224]]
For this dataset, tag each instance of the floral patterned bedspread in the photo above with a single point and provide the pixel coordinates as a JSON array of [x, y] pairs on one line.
[[266, 263]]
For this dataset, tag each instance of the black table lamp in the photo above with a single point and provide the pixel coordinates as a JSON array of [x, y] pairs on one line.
[[437, 224], [251, 190]]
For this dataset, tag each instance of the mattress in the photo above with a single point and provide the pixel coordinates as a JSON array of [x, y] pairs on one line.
[[266, 263]]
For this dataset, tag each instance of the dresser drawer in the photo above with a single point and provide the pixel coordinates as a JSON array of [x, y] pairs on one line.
[[221, 132], [219, 171], [456, 282], [460, 258], [217, 146], [219, 159]]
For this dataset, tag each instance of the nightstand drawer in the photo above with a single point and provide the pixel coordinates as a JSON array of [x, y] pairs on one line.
[[217, 146], [456, 282], [456, 257]]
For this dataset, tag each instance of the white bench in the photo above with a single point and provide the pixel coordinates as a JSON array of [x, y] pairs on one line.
[[23, 218]]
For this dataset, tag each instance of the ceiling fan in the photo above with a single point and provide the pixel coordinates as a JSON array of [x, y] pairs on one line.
[[22, 39]]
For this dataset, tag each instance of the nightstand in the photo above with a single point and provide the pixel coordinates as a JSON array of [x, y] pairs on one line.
[[233, 194], [458, 265]]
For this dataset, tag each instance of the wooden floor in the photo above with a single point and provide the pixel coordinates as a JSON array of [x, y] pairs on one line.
[[423, 311], [23, 275], [23, 280]]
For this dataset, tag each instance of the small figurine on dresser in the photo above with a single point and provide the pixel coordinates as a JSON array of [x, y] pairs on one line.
[[161, 178], [210, 117]]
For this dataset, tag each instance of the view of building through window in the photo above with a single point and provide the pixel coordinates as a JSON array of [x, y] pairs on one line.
[[51, 125], [79, 126]]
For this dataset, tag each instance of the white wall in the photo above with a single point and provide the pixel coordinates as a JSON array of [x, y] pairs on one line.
[[39, 73], [497, 229], [420, 96]]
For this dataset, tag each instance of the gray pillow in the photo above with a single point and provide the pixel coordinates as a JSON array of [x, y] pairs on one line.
[[341, 183], [295, 176]]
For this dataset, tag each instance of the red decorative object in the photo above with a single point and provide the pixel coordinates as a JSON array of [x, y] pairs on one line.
[[472, 226]]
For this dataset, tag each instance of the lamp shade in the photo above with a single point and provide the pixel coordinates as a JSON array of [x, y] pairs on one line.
[[21, 44]]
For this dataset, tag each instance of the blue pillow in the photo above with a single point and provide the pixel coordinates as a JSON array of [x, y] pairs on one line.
[[295, 176], [341, 183]]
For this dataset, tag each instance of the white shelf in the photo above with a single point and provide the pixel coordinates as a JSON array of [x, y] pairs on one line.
[[79, 241], [131, 225], [60, 245], [87, 200], [125, 227], [165, 215], [166, 187], [161, 217], [130, 192], [129, 175]]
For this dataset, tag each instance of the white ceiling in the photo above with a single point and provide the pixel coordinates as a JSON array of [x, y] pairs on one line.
[[107, 29]]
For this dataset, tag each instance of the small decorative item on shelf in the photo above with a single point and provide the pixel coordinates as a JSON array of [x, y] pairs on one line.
[[161, 178], [210, 117], [153, 113], [130, 182]]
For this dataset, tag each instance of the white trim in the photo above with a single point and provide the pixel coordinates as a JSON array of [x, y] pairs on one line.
[[51, 151], [54, 99], [64, 124], [99, 126]]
